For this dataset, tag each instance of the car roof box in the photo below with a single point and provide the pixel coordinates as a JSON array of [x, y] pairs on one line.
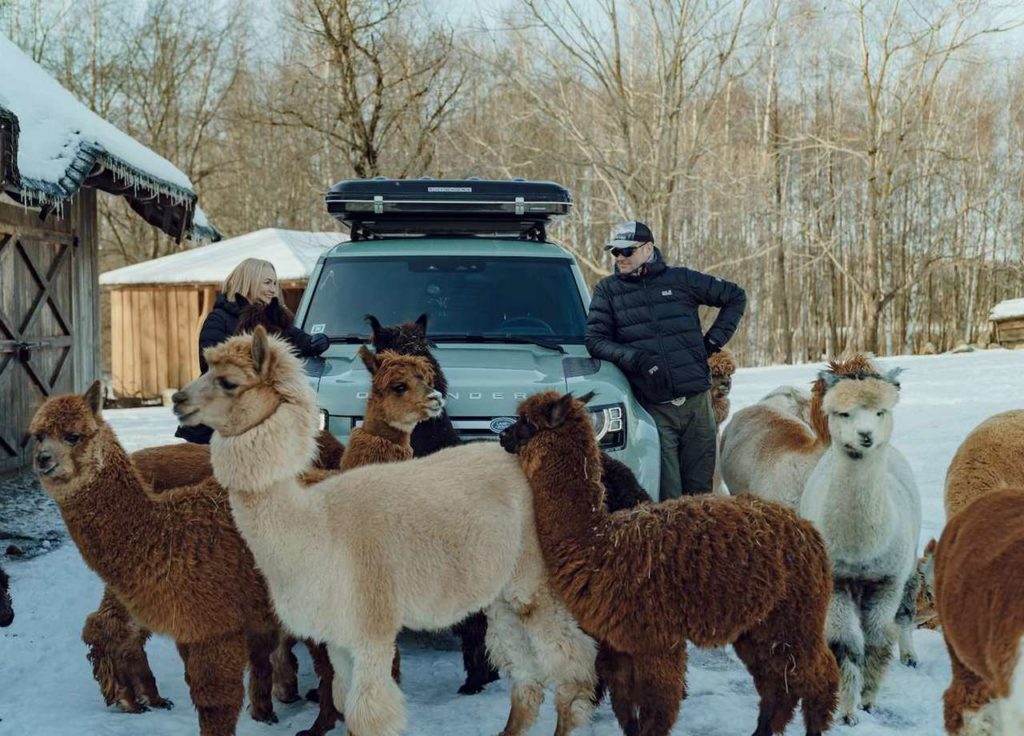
[[382, 207]]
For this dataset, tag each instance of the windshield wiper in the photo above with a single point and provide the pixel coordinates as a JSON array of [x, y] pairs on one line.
[[348, 339], [517, 339]]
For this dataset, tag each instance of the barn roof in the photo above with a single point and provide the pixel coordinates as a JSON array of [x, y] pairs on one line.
[[51, 145], [1009, 309], [293, 253]]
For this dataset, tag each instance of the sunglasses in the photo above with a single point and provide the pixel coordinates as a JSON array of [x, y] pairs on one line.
[[624, 252]]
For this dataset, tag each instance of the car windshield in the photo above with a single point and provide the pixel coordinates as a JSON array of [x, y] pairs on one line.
[[483, 297]]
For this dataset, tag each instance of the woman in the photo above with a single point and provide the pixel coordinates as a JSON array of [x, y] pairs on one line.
[[253, 281]]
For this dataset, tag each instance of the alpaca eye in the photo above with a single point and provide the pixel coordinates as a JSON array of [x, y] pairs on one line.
[[843, 414], [399, 388], [226, 384], [880, 413], [72, 438], [39, 436]]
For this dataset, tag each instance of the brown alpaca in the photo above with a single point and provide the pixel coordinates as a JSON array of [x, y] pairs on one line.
[[981, 604], [117, 643], [991, 457], [391, 414], [175, 560], [769, 452], [648, 580], [723, 366]]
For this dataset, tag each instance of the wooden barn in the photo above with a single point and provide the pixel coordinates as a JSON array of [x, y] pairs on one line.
[[1007, 319], [55, 154], [158, 306]]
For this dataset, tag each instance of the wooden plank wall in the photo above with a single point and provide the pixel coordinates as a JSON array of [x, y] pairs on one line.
[[153, 339], [1010, 332], [87, 348]]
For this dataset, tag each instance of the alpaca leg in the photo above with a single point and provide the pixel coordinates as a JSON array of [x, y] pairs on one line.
[[526, 700], [286, 670], [846, 640], [327, 715], [341, 683], [966, 695], [574, 705], [142, 674], [880, 635], [767, 665], [261, 675], [818, 688], [615, 670], [905, 616], [660, 683], [214, 671], [479, 671], [374, 705]]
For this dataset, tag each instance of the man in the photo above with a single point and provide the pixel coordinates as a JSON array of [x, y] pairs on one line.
[[644, 319]]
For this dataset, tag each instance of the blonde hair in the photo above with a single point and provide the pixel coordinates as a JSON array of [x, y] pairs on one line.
[[246, 277]]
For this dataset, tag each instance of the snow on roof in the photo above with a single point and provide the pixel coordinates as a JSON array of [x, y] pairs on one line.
[[60, 142], [1009, 309], [293, 253]]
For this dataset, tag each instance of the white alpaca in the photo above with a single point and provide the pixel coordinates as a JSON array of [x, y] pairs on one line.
[[417, 544], [769, 449], [863, 499]]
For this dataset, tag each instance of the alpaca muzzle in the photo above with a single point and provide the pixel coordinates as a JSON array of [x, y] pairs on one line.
[[45, 463], [183, 409]]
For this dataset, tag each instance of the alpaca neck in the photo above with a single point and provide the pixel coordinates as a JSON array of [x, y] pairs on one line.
[[861, 508], [568, 496], [272, 454], [378, 426], [99, 513]]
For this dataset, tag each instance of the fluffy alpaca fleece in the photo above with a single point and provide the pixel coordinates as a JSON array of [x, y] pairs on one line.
[[6, 607], [991, 457], [981, 604], [863, 499], [536, 642], [723, 366], [410, 338], [417, 544], [175, 559], [650, 579], [769, 451]]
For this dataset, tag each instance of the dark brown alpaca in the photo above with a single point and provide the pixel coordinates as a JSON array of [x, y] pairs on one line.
[[401, 385], [410, 338], [6, 607], [979, 601], [708, 570], [175, 559]]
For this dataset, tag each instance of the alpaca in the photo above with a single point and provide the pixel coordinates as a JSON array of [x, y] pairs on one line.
[[863, 499], [437, 433], [990, 457], [117, 643], [417, 544], [791, 400], [723, 366], [175, 559], [769, 451], [6, 606], [648, 580], [978, 598]]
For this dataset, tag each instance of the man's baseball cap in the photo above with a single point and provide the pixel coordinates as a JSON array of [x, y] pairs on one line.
[[629, 234]]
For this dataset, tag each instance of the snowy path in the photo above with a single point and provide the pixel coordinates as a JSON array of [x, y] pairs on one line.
[[46, 686]]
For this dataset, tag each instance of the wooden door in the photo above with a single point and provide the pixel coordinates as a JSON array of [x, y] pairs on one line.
[[36, 329]]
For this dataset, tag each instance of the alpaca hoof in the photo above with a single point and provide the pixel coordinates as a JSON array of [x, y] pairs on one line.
[[270, 717], [471, 688], [131, 707], [313, 696], [851, 719], [162, 703], [292, 697]]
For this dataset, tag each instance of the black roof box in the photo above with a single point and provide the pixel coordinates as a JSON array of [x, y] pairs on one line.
[[384, 207]]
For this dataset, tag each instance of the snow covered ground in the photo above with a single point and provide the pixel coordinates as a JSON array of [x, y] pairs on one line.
[[46, 687]]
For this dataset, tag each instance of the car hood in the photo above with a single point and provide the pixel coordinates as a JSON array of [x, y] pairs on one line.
[[483, 380]]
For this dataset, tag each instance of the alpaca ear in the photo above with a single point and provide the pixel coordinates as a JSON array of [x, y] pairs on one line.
[[260, 348], [94, 397], [370, 360], [585, 398], [929, 548], [374, 325], [560, 411], [892, 376], [829, 378], [421, 322]]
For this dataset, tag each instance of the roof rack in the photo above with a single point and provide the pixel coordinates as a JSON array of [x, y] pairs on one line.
[[382, 207]]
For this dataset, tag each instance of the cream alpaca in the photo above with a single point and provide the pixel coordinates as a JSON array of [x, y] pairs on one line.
[[863, 499], [417, 544]]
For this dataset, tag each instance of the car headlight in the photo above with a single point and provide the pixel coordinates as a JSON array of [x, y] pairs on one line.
[[325, 421], [609, 425]]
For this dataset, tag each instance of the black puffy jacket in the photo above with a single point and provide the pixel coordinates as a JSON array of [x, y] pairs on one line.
[[649, 326]]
